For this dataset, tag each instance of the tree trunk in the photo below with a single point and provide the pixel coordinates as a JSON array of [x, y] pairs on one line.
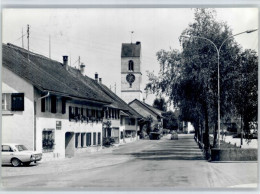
[[215, 135], [206, 136]]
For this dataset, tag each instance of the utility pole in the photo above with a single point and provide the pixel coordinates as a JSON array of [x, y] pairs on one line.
[[22, 38], [49, 46], [28, 35]]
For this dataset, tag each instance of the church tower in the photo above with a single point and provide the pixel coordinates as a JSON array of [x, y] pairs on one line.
[[131, 76]]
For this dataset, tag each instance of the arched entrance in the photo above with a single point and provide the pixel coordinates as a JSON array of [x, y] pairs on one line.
[[69, 144]]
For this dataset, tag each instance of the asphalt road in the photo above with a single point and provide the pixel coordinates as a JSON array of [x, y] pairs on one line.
[[146, 164]]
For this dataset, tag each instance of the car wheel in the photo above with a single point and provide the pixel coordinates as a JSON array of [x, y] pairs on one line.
[[26, 163], [16, 162]]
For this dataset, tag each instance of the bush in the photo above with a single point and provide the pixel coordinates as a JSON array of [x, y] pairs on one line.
[[108, 141]]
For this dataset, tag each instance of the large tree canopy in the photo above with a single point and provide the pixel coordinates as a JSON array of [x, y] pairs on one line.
[[189, 77]]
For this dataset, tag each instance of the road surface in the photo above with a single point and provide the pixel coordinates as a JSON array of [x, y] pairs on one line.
[[158, 164]]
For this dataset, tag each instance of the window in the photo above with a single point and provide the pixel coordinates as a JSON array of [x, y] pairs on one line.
[[48, 140], [94, 138], [71, 113], [131, 65], [99, 138], [93, 113], [76, 111], [21, 148], [130, 121], [53, 105], [99, 114], [89, 112], [88, 139], [6, 148], [77, 140], [6, 101], [13, 101], [121, 120]]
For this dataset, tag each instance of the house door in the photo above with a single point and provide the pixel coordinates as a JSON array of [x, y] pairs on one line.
[[69, 144]]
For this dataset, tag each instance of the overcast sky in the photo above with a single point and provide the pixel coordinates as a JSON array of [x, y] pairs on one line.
[[96, 35]]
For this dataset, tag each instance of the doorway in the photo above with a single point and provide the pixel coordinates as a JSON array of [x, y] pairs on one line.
[[69, 144]]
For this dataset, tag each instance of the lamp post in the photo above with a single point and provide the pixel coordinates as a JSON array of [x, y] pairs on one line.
[[218, 53]]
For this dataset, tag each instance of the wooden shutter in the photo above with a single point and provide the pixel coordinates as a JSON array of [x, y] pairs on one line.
[[53, 104], [94, 138], [90, 139], [17, 102], [63, 109], [43, 105], [99, 138]]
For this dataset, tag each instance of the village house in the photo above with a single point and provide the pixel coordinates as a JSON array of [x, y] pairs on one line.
[[46, 107], [123, 119], [51, 107], [148, 111]]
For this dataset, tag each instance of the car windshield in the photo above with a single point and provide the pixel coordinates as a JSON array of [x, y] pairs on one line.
[[21, 147]]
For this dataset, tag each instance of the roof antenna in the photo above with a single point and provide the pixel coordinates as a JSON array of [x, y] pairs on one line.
[[132, 36]]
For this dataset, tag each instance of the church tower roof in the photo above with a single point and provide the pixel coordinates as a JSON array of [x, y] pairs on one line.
[[131, 49]]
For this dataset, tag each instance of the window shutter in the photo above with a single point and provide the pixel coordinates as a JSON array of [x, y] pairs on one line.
[[90, 139], [70, 110], [43, 104], [63, 111], [87, 112], [99, 138], [17, 100], [82, 111], [53, 104], [94, 138]]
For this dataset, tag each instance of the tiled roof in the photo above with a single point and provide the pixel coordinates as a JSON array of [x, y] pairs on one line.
[[131, 49], [116, 101], [149, 107], [122, 104], [47, 74]]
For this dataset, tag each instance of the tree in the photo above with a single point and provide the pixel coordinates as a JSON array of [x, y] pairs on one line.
[[245, 92], [170, 121], [160, 104], [189, 77]]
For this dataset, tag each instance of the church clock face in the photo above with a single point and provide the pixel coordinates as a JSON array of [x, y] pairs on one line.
[[130, 78]]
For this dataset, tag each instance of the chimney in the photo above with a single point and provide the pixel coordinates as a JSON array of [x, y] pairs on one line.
[[100, 80], [143, 100], [82, 68], [96, 77], [65, 62]]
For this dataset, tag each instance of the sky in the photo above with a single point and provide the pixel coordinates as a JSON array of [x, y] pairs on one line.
[[96, 35]]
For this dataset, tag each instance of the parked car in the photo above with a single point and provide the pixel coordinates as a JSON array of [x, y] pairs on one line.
[[174, 136], [17, 154]]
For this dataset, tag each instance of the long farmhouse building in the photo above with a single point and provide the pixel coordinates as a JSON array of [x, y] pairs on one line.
[[51, 107]]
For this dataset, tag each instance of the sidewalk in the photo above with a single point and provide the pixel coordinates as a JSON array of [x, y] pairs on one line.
[[82, 161]]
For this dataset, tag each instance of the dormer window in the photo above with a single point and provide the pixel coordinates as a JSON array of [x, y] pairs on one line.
[[131, 65]]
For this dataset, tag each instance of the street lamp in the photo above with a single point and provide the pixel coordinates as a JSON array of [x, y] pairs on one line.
[[218, 52]]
